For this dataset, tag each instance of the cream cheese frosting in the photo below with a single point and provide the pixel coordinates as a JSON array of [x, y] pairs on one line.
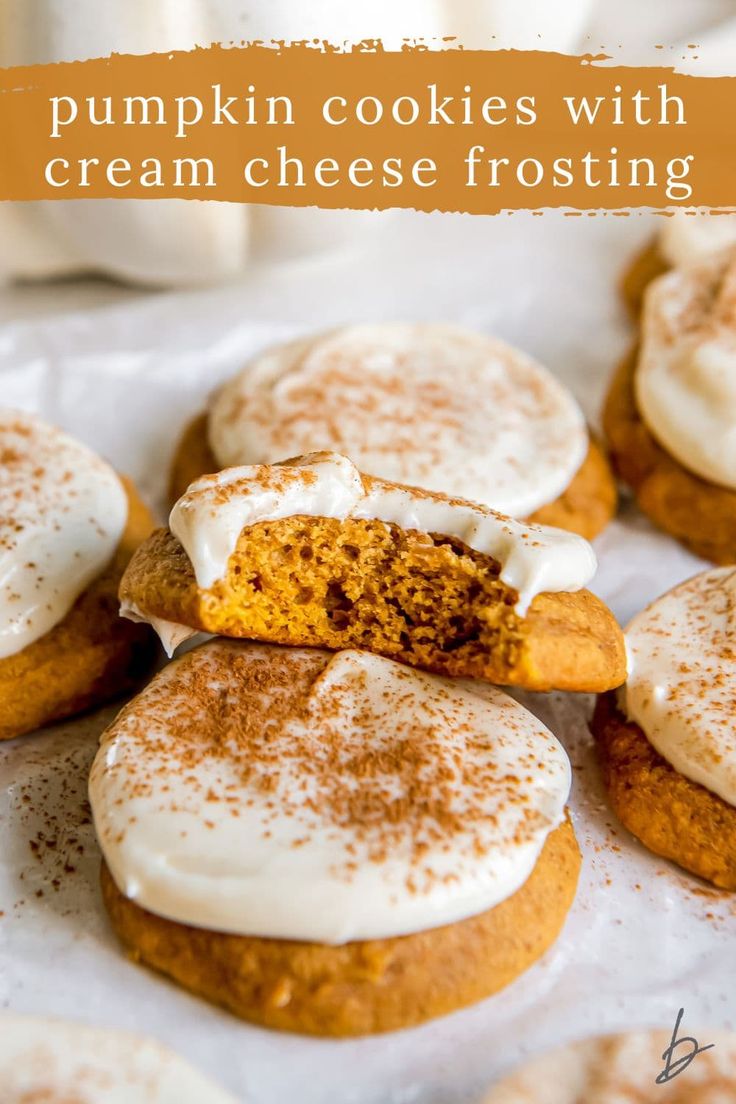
[[691, 236], [62, 514], [299, 794], [50, 1061], [208, 519], [686, 374], [681, 687], [433, 406], [170, 633]]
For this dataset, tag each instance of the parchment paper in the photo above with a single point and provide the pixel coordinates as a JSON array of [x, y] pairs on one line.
[[642, 939]]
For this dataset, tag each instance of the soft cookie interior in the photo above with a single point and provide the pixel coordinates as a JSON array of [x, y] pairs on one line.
[[429, 601]]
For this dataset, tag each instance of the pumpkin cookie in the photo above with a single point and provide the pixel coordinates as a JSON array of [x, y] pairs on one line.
[[68, 527], [667, 746], [624, 1069], [684, 238], [331, 843], [669, 414], [50, 1061], [432, 406], [310, 552]]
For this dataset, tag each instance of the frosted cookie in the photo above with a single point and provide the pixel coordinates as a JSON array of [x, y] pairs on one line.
[[68, 527], [685, 238], [623, 1069], [433, 406], [668, 744], [331, 843], [670, 415], [311, 552], [49, 1061]]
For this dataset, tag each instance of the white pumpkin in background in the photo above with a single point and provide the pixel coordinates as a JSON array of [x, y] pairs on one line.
[[178, 242]]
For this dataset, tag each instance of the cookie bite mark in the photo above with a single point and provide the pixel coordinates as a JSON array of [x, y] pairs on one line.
[[210, 517], [430, 406], [585, 507], [310, 552], [667, 747], [354, 846]]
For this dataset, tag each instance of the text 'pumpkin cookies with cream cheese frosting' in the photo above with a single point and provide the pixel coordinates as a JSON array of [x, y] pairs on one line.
[[68, 527], [331, 843], [432, 406], [667, 744], [670, 415], [310, 552]]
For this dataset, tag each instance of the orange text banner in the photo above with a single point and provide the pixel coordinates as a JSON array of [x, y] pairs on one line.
[[301, 125]]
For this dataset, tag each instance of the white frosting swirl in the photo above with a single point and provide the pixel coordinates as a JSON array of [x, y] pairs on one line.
[[681, 686], [433, 406], [686, 375], [210, 517], [49, 1061], [298, 794], [62, 514], [689, 236]]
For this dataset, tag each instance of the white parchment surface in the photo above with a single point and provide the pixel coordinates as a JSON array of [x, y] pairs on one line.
[[642, 939]]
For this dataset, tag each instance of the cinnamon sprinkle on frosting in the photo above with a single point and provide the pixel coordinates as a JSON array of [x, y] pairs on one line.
[[324, 797], [428, 405], [681, 687]]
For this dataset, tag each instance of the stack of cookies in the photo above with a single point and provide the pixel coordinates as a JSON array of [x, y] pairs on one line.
[[665, 739], [671, 408], [329, 819]]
